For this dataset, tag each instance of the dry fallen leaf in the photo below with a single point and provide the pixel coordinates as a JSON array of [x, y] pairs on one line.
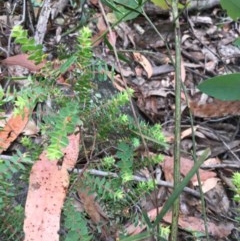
[[47, 190], [188, 132], [209, 184], [186, 165], [216, 108], [93, 209], [212, 161], [94, 2], [143, 61], [220, 230], [118, 82], [123, 31], [112, 38], [30, 129], [58, 7], [71, 152], [23, 61], [219, 199], [91, 206], [102, 28], [13, 127]]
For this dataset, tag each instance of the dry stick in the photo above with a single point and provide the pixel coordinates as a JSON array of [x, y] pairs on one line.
[[221, 166], [143, 179], [19, 23], [4, 50], [135, 178], [43, 18], [177, 131]]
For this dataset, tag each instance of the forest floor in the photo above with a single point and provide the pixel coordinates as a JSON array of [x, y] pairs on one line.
[[207, 50]]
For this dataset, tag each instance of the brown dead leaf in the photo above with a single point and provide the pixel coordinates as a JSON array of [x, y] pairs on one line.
[[210, 66], [186, 166], [216, 108], [123, 31], [13, 127], [23, 61], [209, 184], [139, 71], [101, 25], [112, 38], [47, 190], [91, 207], [31, 128], [143, 61], [118, 83], [221, 230], [188, 132], [57, 7], [219, 199], [94, 2], [212, 161], [102, 28], [97, 38]]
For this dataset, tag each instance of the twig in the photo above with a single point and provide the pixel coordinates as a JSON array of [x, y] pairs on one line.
[[5, 157], [221, 166], [135, 178], [19, 23], [4, 50]]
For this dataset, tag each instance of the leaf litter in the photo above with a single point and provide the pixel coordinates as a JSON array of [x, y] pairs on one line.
[[206, 51]]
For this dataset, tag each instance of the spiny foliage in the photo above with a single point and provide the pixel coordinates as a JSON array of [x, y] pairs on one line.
[[61, 124], [122, 192], [236, 182], [11, 223], [28, 44], [115, 129], [75, 224], [59, 117], [12, 215]]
